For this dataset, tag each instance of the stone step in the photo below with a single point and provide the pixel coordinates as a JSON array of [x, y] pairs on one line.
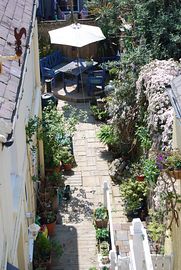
[[73, 180]]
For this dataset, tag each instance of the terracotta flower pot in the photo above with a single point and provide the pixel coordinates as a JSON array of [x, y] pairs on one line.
[[67, 167], [140, 178], [51, 228]]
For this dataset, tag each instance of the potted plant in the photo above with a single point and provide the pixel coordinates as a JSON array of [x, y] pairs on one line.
[[101, 217], [156, 228], [108, 135], [173, 164], [134, 195], [102, 234], [49, 218], [42, 252], [104, 254], [67, 159], [104, 248], [43, 249], [55, 180], [137, 170]]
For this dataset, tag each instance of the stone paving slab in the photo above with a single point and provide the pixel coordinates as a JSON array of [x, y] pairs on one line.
[[75, 229]]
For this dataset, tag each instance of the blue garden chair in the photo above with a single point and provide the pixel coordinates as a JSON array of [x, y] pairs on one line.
[[96, 79]]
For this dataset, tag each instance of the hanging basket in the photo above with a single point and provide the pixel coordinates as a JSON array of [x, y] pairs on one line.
[[101, 223]]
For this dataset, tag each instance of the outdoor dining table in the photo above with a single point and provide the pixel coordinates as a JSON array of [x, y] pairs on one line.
[[76, 68]]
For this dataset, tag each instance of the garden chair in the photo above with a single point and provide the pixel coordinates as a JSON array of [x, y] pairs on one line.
[[96, 79]]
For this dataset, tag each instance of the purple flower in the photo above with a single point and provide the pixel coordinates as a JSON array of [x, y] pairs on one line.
[[160, 161]]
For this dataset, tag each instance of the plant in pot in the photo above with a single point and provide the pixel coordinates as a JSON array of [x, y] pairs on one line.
[[55, 180], [104, 252], [101, 217], [134, 195], [43, 249], [156, 228], [67, 158], [104, 248], [42, 252], [49, 218], [102, 234], [109, 136], [137, 171], [173, 163]]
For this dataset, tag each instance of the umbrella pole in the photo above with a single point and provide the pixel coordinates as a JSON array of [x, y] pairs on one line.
[[77, 56], [72, 11]]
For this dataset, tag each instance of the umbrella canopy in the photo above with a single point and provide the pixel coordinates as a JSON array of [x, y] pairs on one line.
[[76, 35]]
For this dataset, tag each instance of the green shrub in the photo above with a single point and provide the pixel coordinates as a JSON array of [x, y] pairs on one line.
[[107, 135], [102, 234], [151, 171]]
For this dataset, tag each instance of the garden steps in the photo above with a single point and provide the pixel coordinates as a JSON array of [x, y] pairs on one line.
[[73, 180]]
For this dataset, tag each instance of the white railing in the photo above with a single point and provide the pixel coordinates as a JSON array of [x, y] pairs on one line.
[[140, 257], [162, 262], [107, 204]]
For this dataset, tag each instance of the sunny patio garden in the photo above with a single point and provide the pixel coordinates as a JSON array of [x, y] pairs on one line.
[[136, 122], [137, 115]]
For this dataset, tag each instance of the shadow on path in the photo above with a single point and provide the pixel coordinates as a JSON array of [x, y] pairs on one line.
[[77, 209]]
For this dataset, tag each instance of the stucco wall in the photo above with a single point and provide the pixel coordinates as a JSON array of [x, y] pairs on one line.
[[16, 185], [176, 230]]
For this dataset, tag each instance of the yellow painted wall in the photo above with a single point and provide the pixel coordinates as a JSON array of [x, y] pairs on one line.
[[16, 185], [176, 230]]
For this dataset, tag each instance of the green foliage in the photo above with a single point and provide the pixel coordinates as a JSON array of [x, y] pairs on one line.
[[55, 179], [113, 67], [106, 14], [156, 25], [173, 160], [107, 135], [156, 229], [31, 128], [133, 193], [99, 113], [101, 213], [102, 234], [66, 156], [136, 169], [144, 139], [50, 217], [55, 129], [44, 247], [151, 171], [104, 248], [57, 249]]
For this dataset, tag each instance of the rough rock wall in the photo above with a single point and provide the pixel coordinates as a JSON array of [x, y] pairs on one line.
[[152, 82]]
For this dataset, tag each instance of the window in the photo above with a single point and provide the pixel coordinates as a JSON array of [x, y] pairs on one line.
[[65, 5]]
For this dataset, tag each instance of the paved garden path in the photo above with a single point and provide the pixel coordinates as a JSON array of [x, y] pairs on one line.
[[75, 229]]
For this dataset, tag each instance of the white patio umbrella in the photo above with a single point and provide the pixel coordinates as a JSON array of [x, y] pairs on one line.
[[76, 35]]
